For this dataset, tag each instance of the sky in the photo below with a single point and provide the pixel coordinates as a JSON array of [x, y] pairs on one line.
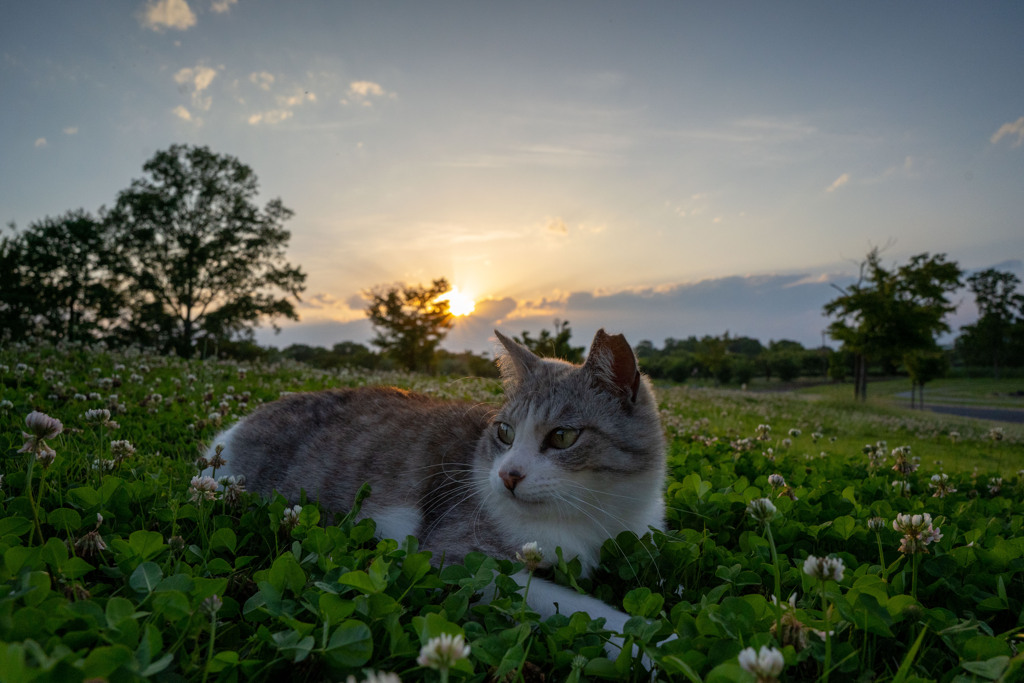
[[660, 169]]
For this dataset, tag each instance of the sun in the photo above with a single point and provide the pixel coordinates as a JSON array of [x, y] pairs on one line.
[[459, 303]]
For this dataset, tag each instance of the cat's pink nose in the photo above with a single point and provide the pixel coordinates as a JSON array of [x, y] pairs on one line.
[[511, 478]]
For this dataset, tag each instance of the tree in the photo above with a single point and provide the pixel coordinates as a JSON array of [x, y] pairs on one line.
[[202, 259], [15, 294], [68, 268], [555, 345], [410, 322], [924, 365], [999, 308], [887, 314]]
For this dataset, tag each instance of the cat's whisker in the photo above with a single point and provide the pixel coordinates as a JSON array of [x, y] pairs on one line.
[[603, 528], [622, 522]]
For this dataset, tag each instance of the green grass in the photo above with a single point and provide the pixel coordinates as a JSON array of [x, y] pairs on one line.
[[121, 572], [973, 392]]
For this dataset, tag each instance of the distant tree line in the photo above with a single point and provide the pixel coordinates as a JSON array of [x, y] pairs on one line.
[[184, 261], [731, 360]]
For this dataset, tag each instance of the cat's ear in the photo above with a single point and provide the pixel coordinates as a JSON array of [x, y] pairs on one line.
[[516, 361], [613, 363]]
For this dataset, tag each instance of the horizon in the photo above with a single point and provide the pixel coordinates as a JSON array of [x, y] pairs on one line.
[[661, 170]]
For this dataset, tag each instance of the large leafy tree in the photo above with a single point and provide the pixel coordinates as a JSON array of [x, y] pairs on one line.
[[68, 268], [889, 313], [410, 321], [203, 259], [1000, 308]]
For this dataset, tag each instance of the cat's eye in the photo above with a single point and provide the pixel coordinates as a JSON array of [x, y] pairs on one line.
[[563, 437], [506, 433]]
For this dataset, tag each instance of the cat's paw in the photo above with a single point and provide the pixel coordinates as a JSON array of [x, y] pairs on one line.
[[615, 644]]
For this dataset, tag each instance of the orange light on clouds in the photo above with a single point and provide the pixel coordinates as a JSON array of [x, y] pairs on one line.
[[459, 303]]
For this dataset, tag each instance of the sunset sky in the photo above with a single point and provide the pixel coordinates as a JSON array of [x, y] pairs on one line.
[[655, 168]]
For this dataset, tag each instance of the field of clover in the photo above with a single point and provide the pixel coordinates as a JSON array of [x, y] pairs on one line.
[[806, 540]]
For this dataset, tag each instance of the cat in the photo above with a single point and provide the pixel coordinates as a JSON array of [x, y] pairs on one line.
[[574, 456]]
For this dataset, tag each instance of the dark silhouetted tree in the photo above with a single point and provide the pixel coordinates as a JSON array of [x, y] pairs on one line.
[[923, 366], [887, 314], [1000, 307], [68, 266], [15, 294], [410, 322], [202, 258], [548, 345]]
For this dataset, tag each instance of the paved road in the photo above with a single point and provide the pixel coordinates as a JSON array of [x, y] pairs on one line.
[[998, 414]]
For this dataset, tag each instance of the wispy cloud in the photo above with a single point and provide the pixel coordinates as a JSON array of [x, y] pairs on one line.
[[364, 93], [164, 14], [557, 226], [1009, 130], [40, 142], [183, 113], [263, 80], [838, 182], [195, 81], [71, 130], [222, 6], [271, 117]]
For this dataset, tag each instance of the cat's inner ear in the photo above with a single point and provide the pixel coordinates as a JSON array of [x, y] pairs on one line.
[[614, 365], [516, 362]]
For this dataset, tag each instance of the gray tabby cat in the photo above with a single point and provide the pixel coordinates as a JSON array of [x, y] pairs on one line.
[[573, 457]]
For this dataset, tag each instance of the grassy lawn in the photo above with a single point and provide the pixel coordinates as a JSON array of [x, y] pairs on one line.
[[973, 392]]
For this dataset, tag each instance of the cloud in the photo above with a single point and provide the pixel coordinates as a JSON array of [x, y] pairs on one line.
[[40, 142], [196, 80], [1009, 130], [298, 97], [182, 113], [164, 14], [363, 92], [838, 182], [263, 79], [222, 6], [71, 130], [557, 226], [272, 117]]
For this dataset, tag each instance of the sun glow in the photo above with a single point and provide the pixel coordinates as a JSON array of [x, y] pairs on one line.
[[459, 303]]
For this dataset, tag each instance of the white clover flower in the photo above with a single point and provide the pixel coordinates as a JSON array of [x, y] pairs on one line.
[[763, 432], [786, 443], [203, 488], [876, 524], [100, 417], [766, 664], [290, 517], [994, 485], [795, 433], [42, 425], [788, 605], [91, 544], [762, 509], [442, 652], [824, 568], [902, 485], [940, 482], [918, 532], [376, 677], [121, 450], [996, 434], [212, 605], [776, 480], [531, 556]]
